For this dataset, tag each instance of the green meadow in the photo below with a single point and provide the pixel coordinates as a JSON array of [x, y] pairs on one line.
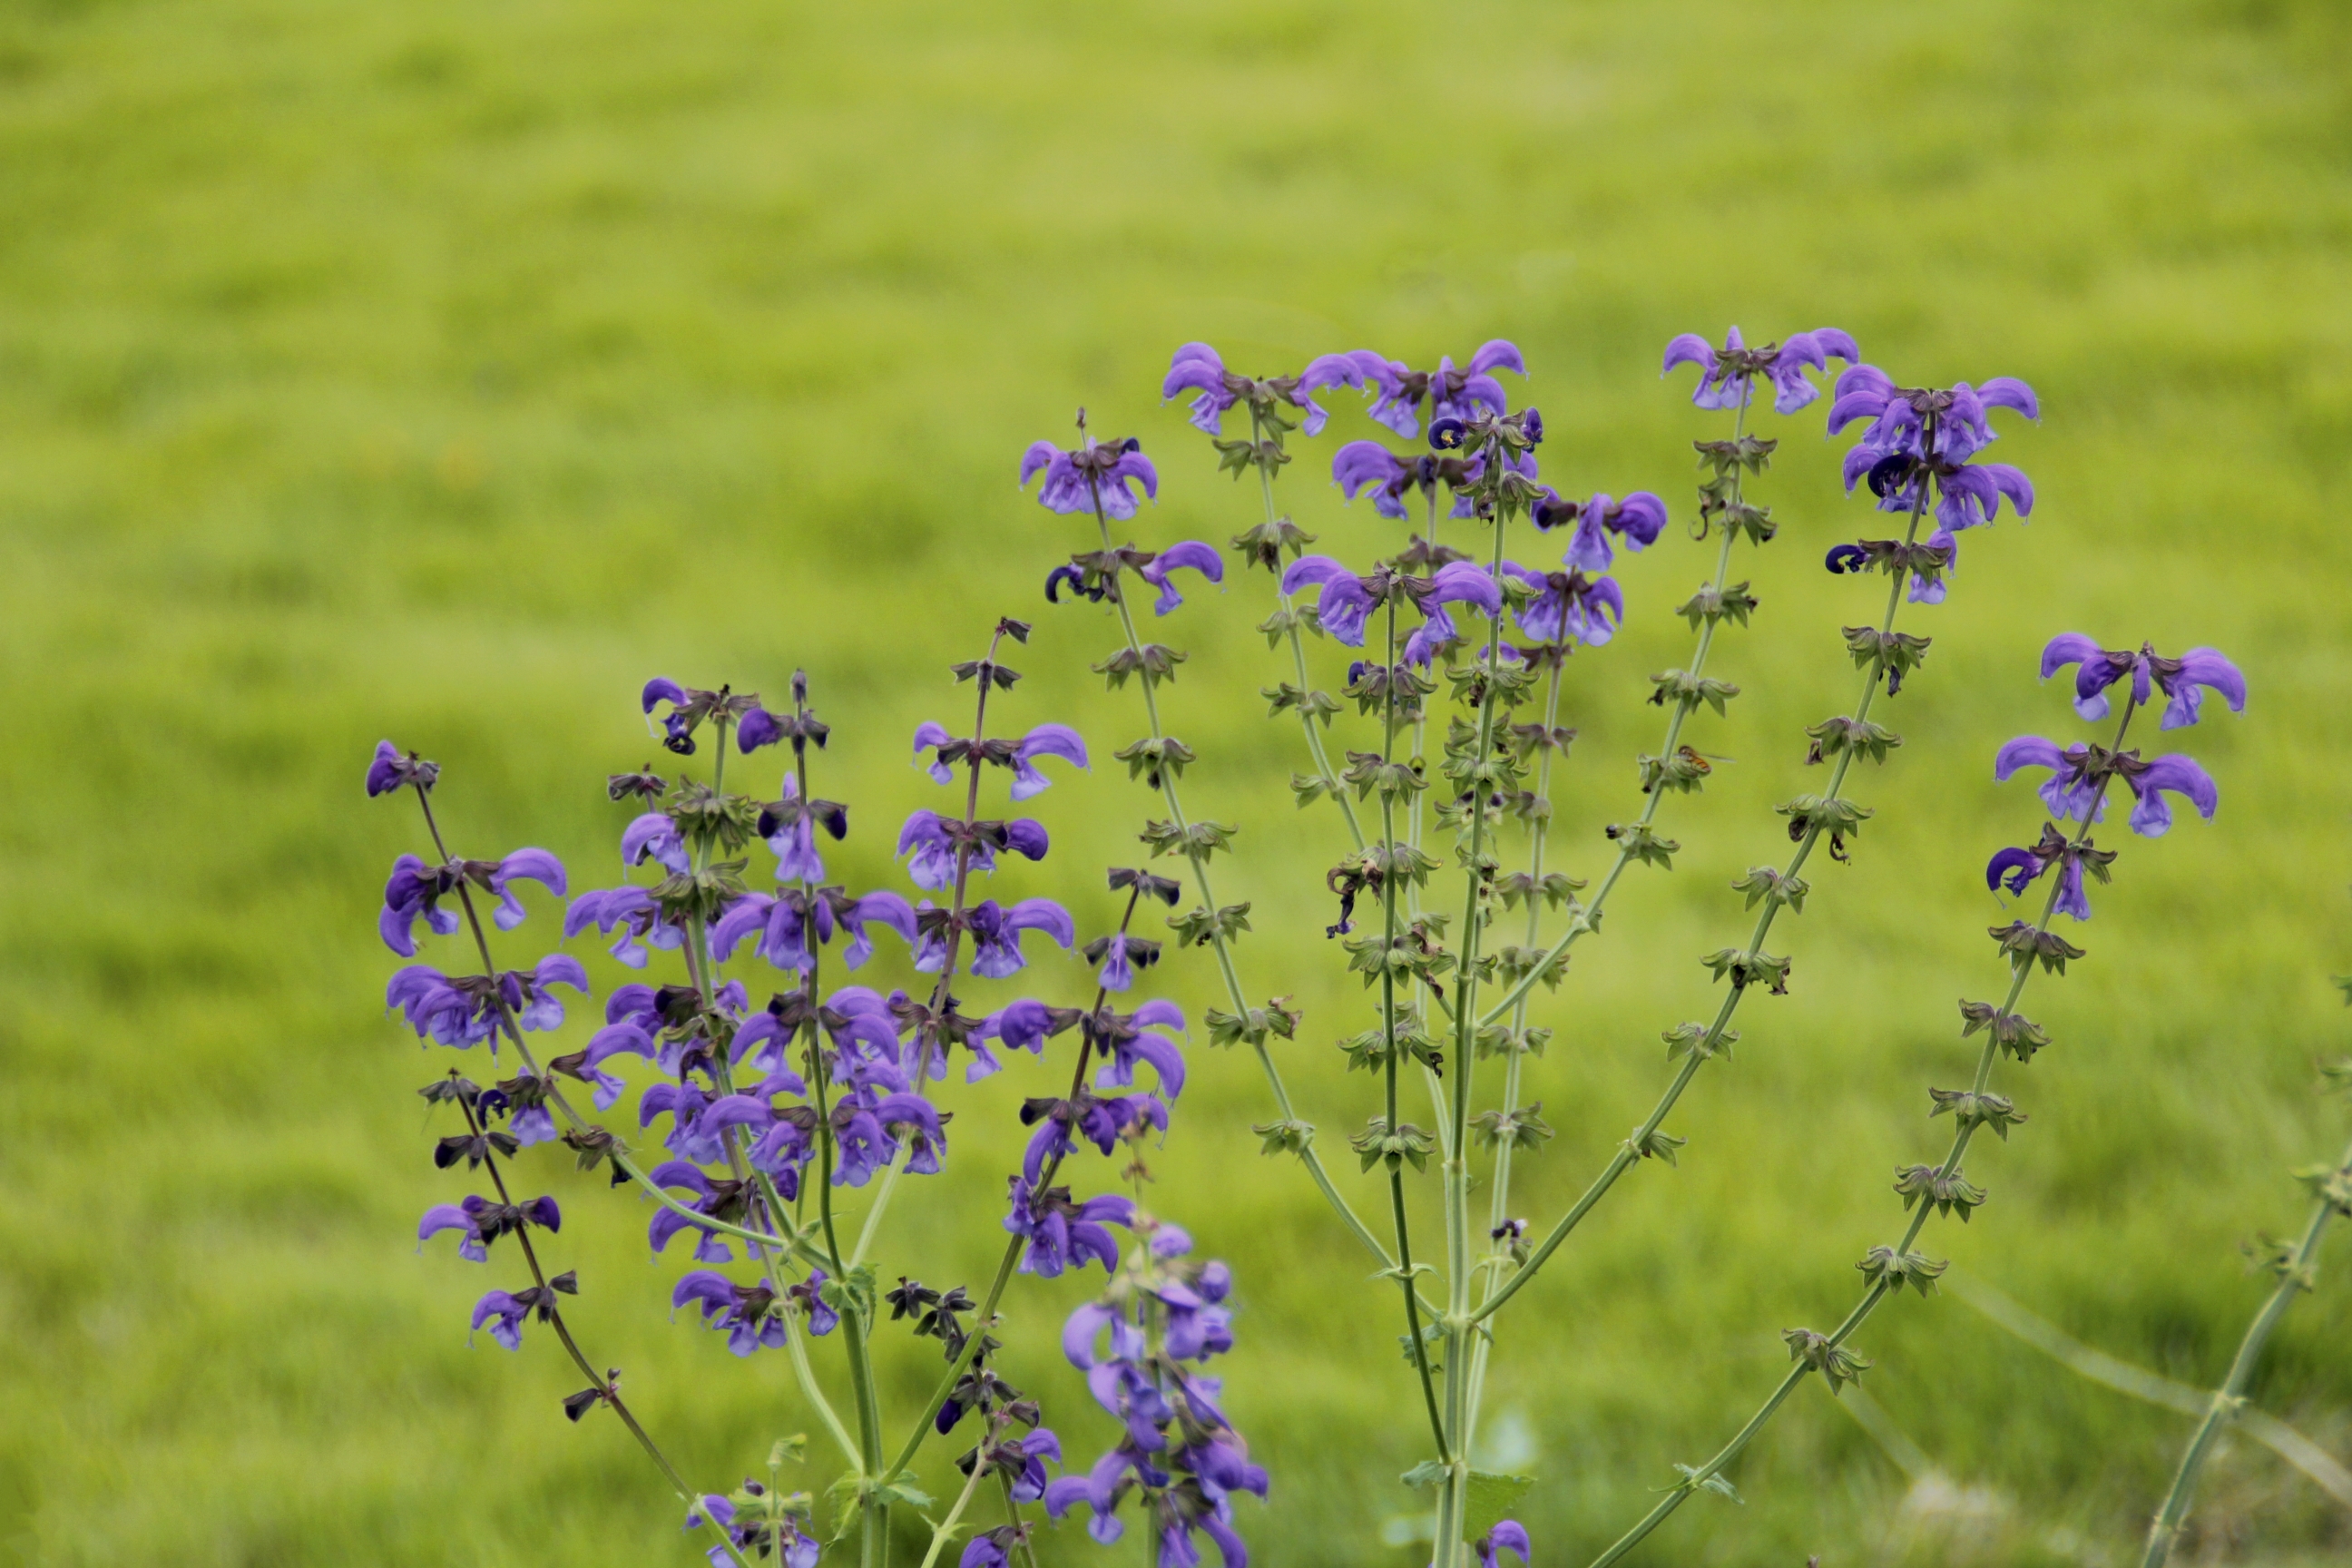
[[442, 372]]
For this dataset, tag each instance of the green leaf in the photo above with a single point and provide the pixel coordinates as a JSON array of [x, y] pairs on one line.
[[1489, 1500], [1428, 1473]]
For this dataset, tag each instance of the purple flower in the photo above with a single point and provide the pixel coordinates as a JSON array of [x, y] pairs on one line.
[[413, 893], [996, 936], [1062, 1233], [1096, 476], [1568, 607], [523, 866], [634, 912], [1198, 368], [389, 771], [2075, 772], [757, 729], [931, 841], [748, 1313], [505, 1314], [1637, 520], [2182, 679], [1044, 741], [653, 837], [2018, 869], [1508, 1536], [1191, 555], [450, 1216], [1452, 394], [1726, 377]]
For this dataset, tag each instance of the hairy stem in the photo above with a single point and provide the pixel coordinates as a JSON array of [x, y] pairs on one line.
[[1225, 969], [608, 1390], [1590, 918], [1389, 1034], [1316, 749], [2230, 1399], [1711, 1042], [2021, 968]]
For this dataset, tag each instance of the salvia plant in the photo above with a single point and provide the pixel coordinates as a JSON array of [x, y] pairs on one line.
[[1426, 677]]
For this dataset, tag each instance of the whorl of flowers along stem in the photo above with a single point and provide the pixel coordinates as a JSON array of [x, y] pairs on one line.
[[481, 1221]]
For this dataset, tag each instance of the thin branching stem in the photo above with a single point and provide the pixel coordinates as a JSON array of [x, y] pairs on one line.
[[1885, 1284], [608, 1388]]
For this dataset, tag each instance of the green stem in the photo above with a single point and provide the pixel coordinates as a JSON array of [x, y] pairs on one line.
[[944, 1531], [1499, 1210], [2021, 968], [1590, 918], [513, 1030], [1315, 746], [1709, 1044], [1389, 1038], [1452, 1500], [1225, 969], [2230, 1399]]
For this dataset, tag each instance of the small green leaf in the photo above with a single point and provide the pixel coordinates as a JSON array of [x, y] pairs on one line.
[[1489, 1499]]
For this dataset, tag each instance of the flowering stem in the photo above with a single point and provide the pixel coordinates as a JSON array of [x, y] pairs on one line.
[[608, 1389], [892, 1171], [1389, 1032], [1499, 1212], [1885, 1284], [1013, 1517], [1315, 746], [944, 1532], [1708, 1044], [1011, 1257], [2229, 1400], [1453, 1497], [1590, 918], [1216, 936]]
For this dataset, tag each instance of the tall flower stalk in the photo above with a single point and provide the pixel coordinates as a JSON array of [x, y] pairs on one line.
[[1096, 480], [481, 1224], [2291, 1264], [2081, 777]]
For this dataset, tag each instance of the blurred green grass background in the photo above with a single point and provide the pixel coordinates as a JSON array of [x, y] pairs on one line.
[[443, 371]]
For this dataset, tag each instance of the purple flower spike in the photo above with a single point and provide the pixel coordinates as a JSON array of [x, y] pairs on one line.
[[1508, 1536], [1095, 475], [1044, 741], [1191, 555]]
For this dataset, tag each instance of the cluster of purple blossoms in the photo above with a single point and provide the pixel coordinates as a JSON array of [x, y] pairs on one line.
[[1728, 375], [1178, 1454], [754, 1534], [2080, 773], [1096, 476], [1920, 442]]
